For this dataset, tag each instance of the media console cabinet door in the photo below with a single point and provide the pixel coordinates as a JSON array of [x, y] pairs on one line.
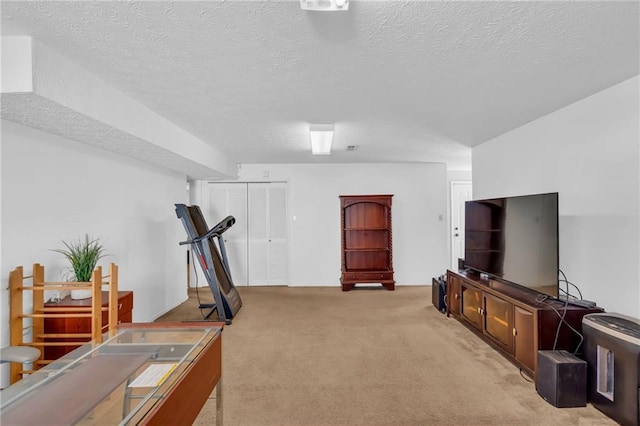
[[453, 294], [498, 321], [471, 305], [524, 346]]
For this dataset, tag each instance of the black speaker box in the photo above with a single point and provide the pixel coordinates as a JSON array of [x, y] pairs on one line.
[[561, 379], [438, 293]]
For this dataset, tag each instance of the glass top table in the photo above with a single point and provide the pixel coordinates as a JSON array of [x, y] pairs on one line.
[[145, 373]]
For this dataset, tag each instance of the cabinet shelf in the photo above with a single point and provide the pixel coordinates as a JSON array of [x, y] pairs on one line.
[[368, 270], [365, 229], [365, 249]]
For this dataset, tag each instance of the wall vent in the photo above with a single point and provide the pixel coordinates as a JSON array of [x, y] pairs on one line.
[[352, 147]]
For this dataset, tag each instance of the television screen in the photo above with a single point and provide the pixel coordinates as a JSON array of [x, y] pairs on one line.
[[515, 239]]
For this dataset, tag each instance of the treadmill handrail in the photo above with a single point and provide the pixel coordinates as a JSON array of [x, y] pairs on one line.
[[223, 225], [216, 231]]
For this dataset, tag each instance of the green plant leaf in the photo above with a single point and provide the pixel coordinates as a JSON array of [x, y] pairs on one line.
[[83, 255]]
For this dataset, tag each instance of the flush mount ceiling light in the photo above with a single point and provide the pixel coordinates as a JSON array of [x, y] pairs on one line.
[[324, 5], [321, 138]]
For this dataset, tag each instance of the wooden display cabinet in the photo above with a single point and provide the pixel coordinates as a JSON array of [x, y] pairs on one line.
[[367, 255], [513, 320], [81, 326]]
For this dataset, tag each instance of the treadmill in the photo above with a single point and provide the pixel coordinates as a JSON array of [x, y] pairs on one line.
[[213, 262]]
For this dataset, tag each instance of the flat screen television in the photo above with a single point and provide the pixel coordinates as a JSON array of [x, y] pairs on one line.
[[515, 239]]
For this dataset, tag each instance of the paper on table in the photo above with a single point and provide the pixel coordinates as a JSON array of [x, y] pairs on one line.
[[153, 376]]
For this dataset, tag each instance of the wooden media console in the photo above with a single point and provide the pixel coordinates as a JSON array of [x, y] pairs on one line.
[[513, 320]]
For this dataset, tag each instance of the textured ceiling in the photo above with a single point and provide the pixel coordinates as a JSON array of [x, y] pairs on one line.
[[402, 80]]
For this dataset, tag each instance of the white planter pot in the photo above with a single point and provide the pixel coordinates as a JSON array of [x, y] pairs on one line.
[[81, 294]]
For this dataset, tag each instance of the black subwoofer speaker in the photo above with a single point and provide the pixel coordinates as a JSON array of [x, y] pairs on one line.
[[561, 379], [438, 294]]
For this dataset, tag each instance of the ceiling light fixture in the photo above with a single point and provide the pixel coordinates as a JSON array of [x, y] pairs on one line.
[[324, 5], [321, 138]]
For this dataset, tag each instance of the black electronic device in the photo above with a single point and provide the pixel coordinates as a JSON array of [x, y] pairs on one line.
[[438, 293], [515, 240], [561, 379], [577, 302]]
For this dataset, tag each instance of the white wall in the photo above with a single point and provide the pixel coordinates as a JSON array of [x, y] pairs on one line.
[[589, 153], [419, 216], [56, 189]]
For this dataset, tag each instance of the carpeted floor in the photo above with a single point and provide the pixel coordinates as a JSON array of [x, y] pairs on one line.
[[320, 356]]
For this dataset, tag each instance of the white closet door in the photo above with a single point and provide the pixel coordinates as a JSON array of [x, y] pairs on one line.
[[224, 199], [278, 234], [257, 243], [267, 228], [258, 246]]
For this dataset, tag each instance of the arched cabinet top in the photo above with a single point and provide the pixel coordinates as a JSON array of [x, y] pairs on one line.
[[348, 200]]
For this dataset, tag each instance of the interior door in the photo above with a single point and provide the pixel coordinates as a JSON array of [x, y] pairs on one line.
[[267, 233], [257, 243], [460, 192]]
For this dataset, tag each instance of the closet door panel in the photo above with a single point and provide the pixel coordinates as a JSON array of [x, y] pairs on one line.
[[222, 200], [277, 212], [278, 234], [258, 229], [235, 239]]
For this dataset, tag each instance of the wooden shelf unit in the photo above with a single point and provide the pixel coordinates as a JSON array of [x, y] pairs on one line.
[[514, 321], [21, 321], [366, 236], [484, 243]]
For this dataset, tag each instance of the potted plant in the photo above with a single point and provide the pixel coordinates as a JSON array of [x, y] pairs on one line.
[[83, 256]]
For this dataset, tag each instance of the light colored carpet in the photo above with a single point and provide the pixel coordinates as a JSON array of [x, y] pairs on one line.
[[320, 356]]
